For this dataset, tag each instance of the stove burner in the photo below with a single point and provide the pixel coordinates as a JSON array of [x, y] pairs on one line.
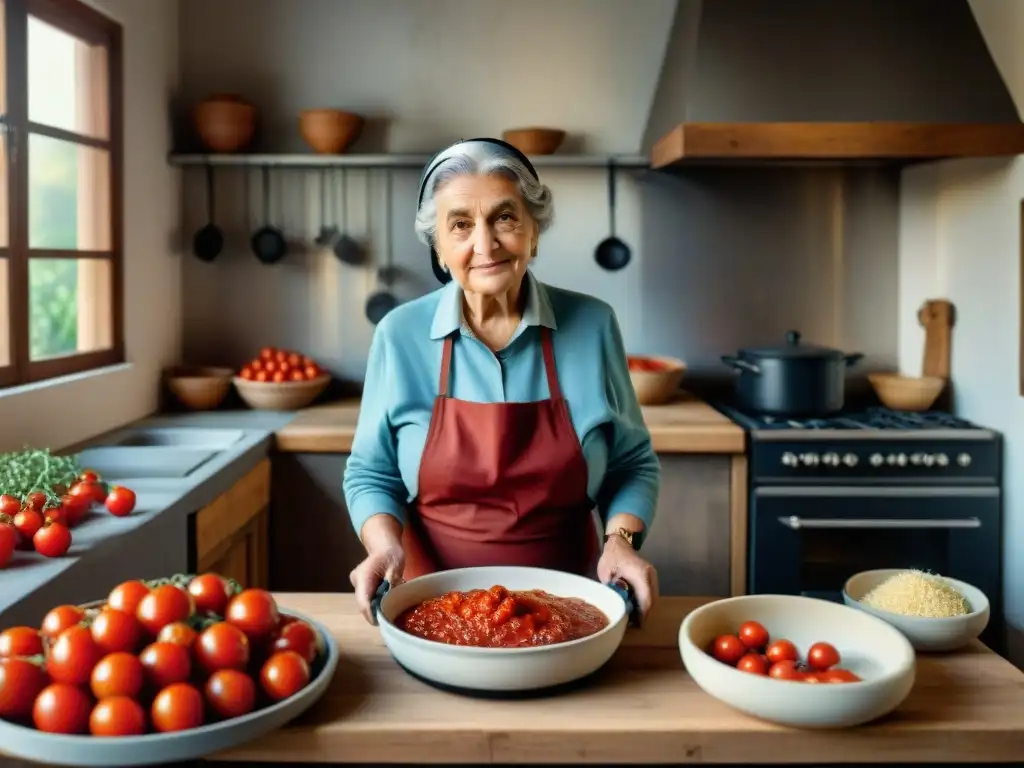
[[869, 418]]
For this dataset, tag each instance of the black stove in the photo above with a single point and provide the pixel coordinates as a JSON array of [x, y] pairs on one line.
[[877, 417]]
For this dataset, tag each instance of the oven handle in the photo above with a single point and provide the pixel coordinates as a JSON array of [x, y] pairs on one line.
[[796, 523]]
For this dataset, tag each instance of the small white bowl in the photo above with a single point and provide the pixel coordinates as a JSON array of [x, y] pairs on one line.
[[930, 635], [868, 647]]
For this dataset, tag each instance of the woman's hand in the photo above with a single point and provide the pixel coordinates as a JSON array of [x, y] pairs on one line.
[[620, 561], [385, 559]]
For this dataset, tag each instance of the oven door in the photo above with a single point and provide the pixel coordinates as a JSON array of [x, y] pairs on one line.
[[809, 541]]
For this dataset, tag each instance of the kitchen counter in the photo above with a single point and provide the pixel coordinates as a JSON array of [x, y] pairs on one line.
[[685, 425], [966, 707]]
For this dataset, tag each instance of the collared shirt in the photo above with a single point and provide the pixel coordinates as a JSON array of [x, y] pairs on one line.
[[402, 377]]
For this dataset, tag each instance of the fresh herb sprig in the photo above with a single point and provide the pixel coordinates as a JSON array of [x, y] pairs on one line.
[[37, 470]]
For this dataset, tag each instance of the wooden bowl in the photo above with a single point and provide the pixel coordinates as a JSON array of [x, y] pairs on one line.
[[873, 650], [286, 396], [199, 388], [906, 393], [656, 386], [225, 122], [535, 141], [330, 131]]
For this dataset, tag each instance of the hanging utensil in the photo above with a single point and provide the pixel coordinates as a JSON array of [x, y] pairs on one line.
[[268, 243], [208, 242], [326, 234], [383, 300], [612, 254], [346, 247]]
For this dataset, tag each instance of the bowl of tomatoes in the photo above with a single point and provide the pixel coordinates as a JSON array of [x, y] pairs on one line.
[[655, 379], [162, 671], [797, 661], [280, 380]]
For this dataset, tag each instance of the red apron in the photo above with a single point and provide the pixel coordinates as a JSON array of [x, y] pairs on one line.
[[501, 484]]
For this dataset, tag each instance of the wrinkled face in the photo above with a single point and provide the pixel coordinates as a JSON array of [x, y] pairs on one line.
[[485, 234]]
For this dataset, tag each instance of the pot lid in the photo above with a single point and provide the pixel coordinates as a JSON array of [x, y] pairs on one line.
[[793, 349]]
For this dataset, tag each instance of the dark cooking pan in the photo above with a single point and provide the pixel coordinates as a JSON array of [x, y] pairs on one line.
[[268, 242], [793, 379]]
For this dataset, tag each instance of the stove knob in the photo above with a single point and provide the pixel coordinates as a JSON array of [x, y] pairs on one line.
[[789, 459], [850, 460], [901, 459], [917, 459], [942, 459], [877, 460], [830, 459], [810, 459], [929, 460], [964, 460], [891, 459]]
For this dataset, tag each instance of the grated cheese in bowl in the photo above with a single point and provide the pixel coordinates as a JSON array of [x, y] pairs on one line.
[[916, 593]]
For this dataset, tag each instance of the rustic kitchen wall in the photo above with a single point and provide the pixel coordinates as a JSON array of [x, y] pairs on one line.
[[722, 258]]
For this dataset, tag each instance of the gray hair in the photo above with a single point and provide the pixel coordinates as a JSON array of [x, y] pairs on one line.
[[481, 158]]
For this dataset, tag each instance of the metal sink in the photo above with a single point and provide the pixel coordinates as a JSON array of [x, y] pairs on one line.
[[128, 462], [177, 437]]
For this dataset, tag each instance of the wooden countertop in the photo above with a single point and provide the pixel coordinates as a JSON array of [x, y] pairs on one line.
[[685, 425], [966, 707]]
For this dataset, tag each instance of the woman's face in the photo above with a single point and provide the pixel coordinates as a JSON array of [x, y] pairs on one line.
[[485, 234]]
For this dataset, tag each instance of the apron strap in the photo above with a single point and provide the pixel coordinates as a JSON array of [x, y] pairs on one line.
[[554, 390], [446, 364]]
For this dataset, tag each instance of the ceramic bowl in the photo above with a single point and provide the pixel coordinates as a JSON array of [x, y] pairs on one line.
[[502, 670], [872, 649], [656, 386], [934, 635], [283, 396]]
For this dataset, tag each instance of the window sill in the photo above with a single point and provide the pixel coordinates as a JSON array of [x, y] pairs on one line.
[[38, 386]]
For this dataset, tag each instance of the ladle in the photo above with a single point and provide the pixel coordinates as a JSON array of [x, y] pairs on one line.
[[612, 254], [208, 242], [347, 248], [382, 301]]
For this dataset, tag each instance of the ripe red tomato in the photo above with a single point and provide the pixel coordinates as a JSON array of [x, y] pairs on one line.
[[117, 674], [94, 491], [300, 637], [117, 716], [28, 521], [52, 540], [73, 656], [840, 676], [210, 592], [754, 663], [753, 635], [230, 693], [313, 371], [166, 663], [222, 646], [89, 476], [164, 605], [178, 633], [8, 543], [59, 619], [36, 501], [20, 641], [120, 501], [9, 505], [54, 515], [822, 656], [786, 670], [267, 353], [127, 596], [20, 683], [284, 674], [74, 508], [177, 707], [728, 649], [781, 650], [247, 373], [254, 611], [114, 630], [62, 708]]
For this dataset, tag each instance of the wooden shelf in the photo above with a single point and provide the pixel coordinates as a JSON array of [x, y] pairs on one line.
[[699, 143], [393, 161]]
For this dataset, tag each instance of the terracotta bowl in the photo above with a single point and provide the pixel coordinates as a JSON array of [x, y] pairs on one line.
[[330, 131], [225, 123], [199, 388], [535, 141], [284, 396], [655, 387], [906, 393]]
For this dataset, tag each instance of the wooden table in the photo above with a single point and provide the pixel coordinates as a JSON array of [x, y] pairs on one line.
[[684, 425], [966, 707]]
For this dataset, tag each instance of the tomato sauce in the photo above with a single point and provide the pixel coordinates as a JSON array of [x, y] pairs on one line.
[[500, 618], [645, 364]]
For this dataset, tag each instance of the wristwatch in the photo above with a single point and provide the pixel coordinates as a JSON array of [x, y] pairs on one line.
[[629, 536]]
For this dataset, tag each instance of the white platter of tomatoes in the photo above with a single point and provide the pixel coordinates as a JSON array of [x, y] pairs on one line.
[[164, 671]]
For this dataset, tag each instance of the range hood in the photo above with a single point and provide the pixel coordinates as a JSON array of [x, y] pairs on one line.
[[796, 80]]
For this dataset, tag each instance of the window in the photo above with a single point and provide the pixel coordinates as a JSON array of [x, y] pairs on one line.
[[60, 190]]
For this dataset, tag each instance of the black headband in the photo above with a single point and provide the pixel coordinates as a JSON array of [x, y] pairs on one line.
[[442, 276]]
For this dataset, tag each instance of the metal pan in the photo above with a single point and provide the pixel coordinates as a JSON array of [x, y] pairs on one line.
[[502, 672]]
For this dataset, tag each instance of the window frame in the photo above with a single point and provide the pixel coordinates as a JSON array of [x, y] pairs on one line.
[[91, 26]]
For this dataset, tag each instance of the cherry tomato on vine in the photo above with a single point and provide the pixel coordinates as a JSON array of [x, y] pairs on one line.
[[114, 630], [36, 501], [253, 611], [210, 592], [52, 540], [120, 501], [284, 674], [62, 708], [300, 637], [9, 505], [162, 606], [166, 663], [177, 707], [20, 641], [230, 693], [73, 656], [117, 716], [20, 683], [127, 596], [59, 619], [117, 674], [8, 543], [178, 633], [222, 646], [89, 476]]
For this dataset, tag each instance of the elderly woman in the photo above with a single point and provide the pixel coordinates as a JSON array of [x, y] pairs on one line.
[[497, 411]]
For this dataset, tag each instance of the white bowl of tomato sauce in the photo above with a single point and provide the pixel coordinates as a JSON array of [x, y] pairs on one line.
[[797, 661], [490, 633], [655, 378]]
